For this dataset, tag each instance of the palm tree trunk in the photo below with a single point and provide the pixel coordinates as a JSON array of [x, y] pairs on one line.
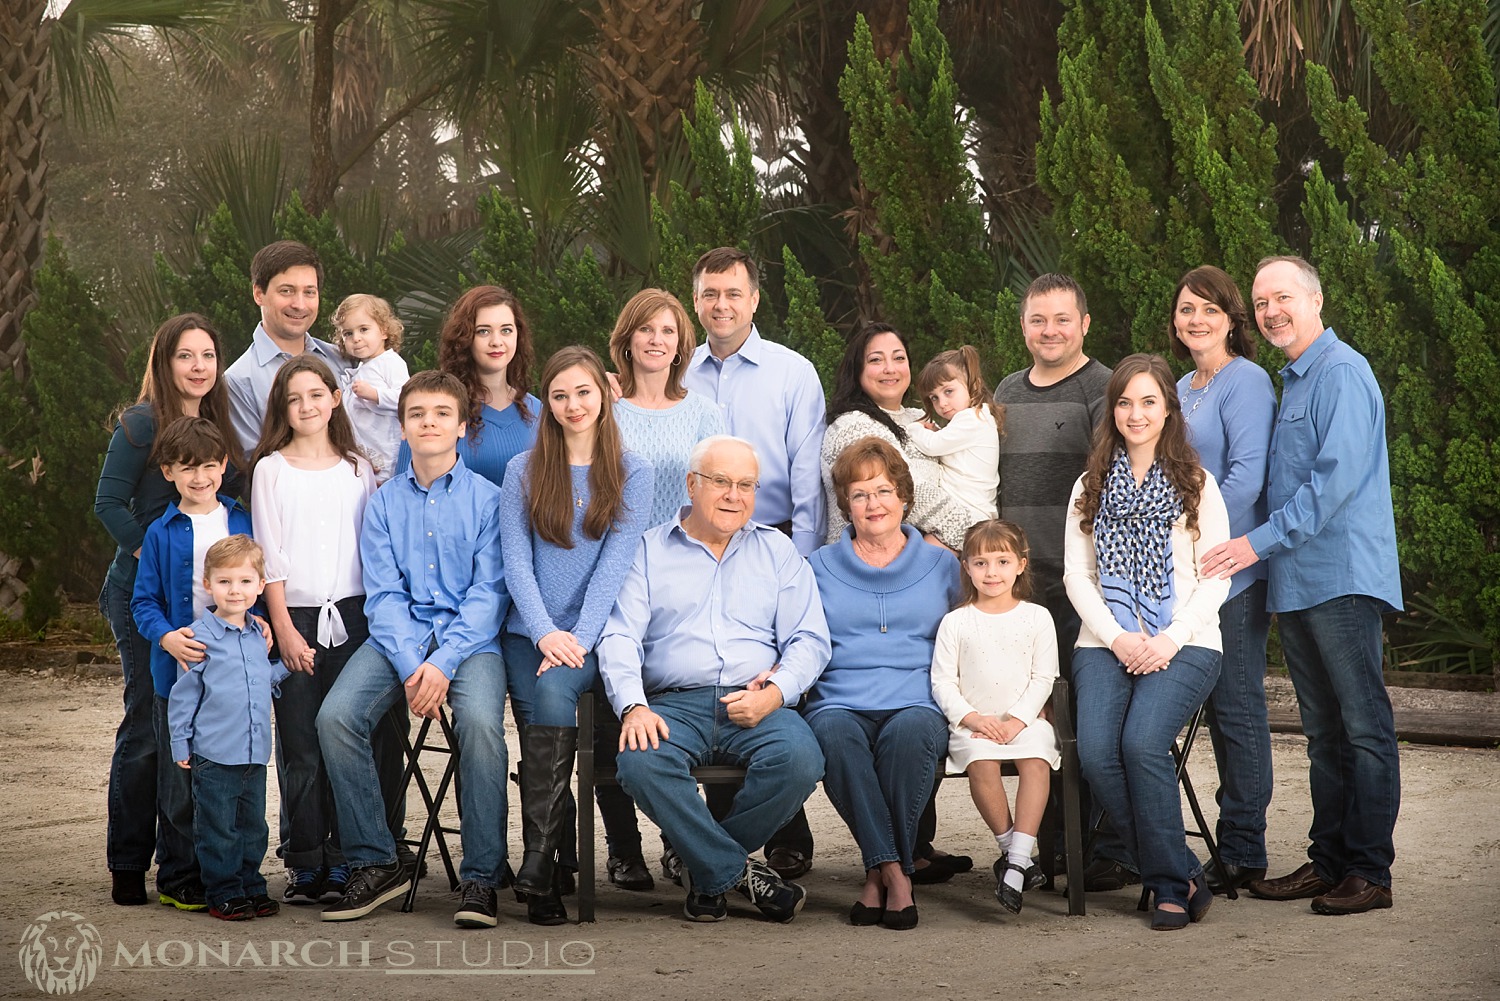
[[24, 87]]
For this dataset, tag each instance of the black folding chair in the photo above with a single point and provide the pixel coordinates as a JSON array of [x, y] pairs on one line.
[[433, 828]]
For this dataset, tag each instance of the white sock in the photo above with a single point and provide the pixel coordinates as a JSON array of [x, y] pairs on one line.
[[1003, 840], [1019, 853]]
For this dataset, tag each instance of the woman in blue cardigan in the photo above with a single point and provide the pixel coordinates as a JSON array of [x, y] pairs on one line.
[[884, 592]]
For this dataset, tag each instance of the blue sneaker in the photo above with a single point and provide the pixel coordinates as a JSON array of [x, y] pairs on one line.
[[303, 886]]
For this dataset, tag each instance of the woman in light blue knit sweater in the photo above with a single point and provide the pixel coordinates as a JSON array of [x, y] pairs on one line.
[[659, 419], [572, 511], [884, 593]]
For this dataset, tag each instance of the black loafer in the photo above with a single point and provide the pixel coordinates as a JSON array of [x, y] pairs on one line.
[[788, 862], [630, 873], [1231, 876], [1104, 874]]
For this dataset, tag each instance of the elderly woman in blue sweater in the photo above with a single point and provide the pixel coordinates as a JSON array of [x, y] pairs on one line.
[[884, 592]]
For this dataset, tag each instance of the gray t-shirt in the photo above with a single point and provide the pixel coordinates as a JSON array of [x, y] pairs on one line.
[[1048, 431]]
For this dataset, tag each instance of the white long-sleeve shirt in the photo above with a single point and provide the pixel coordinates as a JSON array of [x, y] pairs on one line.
[[968, 449], [377, 426]]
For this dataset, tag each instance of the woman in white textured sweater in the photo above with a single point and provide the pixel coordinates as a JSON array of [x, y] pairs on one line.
[[1140, 518]]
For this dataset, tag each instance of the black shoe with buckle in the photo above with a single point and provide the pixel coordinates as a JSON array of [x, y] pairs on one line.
[[1105, 874], [671, 865], [478, 907], [630, 873], [369, 887]]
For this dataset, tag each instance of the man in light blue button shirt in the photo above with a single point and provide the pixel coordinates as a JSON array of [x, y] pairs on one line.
[[1331, 544], [285, 277], [717, 632]]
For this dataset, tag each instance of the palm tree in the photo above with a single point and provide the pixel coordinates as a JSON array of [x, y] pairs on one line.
[[61, 56]]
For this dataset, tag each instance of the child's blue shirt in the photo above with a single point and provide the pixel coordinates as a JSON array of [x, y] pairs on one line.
[[163, 597], [220, 709]]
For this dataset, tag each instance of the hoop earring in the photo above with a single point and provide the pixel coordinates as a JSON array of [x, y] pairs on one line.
[[677, 357], [627, 354]]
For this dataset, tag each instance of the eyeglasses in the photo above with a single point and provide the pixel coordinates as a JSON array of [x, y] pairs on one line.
[[723, 483], [884, 495]]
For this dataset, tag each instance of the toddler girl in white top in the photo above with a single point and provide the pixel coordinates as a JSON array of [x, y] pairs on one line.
[[992, 672], [369, 335], [967, 447]]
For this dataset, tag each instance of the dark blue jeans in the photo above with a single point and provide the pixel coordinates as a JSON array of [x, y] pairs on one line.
[[229, 824], [878, 774], [310, 817], [1240, 730], [131, 837], [1126, 726], [1333, 655], [176, 854]]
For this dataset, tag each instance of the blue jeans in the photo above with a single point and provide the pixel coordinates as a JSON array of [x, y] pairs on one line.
[[1240, 730], [351, 711], [131, 836], [176, 856], [1126, 726], [783, 764], [879, 771], [549, 699], [1333, 655], [310, 819], [229, 812]]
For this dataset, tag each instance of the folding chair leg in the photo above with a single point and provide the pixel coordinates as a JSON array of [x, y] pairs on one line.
[[586, 808]]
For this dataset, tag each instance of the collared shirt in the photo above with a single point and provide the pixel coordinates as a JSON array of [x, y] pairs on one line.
[[771, 397], [434, 577], [249, 381], [687, 620], [1331, 530], [220, 709], [163, 597]]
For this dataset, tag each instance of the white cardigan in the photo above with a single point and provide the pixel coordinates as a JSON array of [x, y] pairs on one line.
[[1195, 616]]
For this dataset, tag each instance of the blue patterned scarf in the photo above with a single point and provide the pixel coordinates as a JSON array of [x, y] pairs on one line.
[[1133, 546]]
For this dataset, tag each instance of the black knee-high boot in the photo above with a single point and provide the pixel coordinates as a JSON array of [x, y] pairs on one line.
[[546, 763]]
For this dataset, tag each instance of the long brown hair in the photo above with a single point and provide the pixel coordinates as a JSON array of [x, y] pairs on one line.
[[1215, 285], [456, 352], [549, 478], [276, 430], [1179, 460], [995, 536], [159, 389], [643, 306], [963, 364]]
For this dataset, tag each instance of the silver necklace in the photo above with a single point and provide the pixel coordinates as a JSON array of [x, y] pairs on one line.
[[1204, 391]]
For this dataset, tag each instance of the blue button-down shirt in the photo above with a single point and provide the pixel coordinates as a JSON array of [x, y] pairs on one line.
[[1331, 530], [249, 380], [685, 619], [434, 578], [220, 709], [770, 396], [163, 597]]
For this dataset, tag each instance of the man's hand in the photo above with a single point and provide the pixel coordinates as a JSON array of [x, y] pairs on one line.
[[179, 643], [560, 647], [747, 708], [1227, 559], [642, 728], [184, 764], [425, 690]]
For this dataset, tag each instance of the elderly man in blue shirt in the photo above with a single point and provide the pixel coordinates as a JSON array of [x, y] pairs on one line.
[[716, 634], [434, 596], [1330, 540]]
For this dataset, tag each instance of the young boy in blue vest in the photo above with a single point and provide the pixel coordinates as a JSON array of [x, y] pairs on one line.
[[220, 716], [169, 595]]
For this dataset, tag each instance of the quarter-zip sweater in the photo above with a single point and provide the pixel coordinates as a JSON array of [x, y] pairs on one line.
[[883, 622]]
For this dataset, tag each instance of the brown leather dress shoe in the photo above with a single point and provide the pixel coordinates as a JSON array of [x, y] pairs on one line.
[[1353, 895], [1303, 882]]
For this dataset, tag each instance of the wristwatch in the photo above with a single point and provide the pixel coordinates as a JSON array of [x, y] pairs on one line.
[[626, 711]]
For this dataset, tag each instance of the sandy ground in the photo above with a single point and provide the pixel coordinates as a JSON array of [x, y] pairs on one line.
[[1442, 939]]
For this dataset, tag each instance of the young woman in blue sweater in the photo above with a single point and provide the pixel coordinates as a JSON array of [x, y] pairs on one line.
[[572, 511]]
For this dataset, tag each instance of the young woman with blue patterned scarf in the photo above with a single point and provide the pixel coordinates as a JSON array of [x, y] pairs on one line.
[[1139, 521]]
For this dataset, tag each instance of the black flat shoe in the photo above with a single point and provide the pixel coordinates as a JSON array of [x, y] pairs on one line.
[[1162, 920], [1201, 899], [1009, 896], [1231, 876], [902, 920], [932, 873], [862, 916], [630, 873]]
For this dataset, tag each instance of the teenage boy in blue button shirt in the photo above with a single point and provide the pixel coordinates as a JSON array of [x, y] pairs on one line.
[[220, 716], [193, 455], [434, 596]]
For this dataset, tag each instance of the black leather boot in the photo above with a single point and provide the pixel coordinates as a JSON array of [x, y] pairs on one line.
[[546, 764]]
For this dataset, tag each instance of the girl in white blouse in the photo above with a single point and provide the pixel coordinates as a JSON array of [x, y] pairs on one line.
[[309, 489], [1140, 519], [967, 446], [992, 673]]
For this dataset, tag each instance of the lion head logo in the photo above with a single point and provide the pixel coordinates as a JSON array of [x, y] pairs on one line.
[[60, 952]]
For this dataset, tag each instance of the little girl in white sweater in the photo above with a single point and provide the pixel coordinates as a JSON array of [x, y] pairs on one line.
[[968, 445]]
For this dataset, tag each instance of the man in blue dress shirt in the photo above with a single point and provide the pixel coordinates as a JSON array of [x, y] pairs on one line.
[[770, 396], [1331, 544], [717, 632], [434, 596]]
